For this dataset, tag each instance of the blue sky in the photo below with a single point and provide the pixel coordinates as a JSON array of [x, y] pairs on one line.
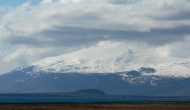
[[46, 28], [17, 2]]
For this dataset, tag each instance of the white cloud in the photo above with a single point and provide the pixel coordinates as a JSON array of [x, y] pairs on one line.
[[47, 1], [163, 51], [34, 32], [28, 20], [181, 49], [137, 16], [21, 55]]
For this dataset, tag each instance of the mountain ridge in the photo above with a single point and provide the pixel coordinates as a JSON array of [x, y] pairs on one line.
[[119, 72], [102, 59]]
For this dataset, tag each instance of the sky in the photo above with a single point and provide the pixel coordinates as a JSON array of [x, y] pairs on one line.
[[31, 30]]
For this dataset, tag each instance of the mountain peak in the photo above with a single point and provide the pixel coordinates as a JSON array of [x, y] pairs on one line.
[[91, 92], [108, 57]]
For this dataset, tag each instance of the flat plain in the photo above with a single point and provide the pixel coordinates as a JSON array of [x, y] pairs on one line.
[[98, 106]]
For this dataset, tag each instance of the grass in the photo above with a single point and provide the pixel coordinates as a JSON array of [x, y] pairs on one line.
[[99, 106]]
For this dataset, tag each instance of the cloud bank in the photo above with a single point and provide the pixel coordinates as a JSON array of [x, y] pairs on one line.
[[30, 32]]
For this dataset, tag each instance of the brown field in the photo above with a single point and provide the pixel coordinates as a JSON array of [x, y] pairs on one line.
[[100, 106]]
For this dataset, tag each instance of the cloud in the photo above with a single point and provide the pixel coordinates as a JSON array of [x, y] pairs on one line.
[[47, 1], [77, 36], [68, 25], [174, 16], [75, 22], [121, 2], [14, 57]]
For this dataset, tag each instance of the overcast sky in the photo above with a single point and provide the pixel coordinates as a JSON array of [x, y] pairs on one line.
[[31, 30]]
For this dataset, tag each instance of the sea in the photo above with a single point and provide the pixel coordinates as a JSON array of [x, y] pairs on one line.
[[54, 99]]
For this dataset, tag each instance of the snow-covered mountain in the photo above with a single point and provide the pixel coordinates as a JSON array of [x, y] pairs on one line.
[[115, 68], [109, 57]]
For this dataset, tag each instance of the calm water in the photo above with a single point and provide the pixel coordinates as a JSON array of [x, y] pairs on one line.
[[37, 99]]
